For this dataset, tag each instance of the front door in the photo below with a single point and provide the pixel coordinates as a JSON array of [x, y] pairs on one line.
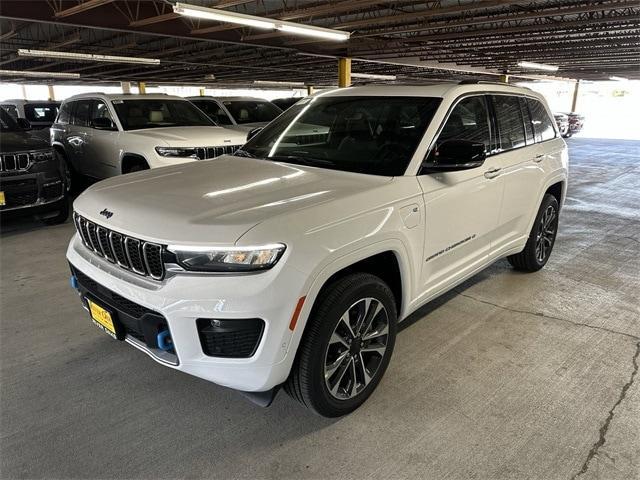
[[462, 207]]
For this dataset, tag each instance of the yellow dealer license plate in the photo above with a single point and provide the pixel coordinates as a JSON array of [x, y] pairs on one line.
[[102, 318]]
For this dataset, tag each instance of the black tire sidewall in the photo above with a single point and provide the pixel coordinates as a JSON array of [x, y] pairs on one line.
[[328, 314], [548, 200]]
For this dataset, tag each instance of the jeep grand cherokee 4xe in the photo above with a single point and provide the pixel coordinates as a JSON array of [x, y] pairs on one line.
[[102, 135], [291, 263]]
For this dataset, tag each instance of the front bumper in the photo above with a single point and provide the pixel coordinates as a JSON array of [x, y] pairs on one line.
[[183, 299], [31, 192]]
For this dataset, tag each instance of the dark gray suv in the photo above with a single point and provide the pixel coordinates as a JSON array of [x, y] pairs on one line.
[[32, 178]]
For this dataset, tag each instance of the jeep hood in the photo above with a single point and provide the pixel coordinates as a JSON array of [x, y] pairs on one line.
[[213, 201], [192, 136]]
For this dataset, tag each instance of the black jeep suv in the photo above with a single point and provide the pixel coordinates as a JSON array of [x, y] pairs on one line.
[[32, 177]]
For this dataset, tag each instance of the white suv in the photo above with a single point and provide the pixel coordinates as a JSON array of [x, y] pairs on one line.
[[102, 135], [292, 262]]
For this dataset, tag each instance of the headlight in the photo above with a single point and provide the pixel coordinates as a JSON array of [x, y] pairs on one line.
[[228, 259], [182, 152]]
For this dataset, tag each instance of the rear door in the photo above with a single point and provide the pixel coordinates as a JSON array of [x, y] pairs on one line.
[[100, 155], [76, 133], [462, 207]]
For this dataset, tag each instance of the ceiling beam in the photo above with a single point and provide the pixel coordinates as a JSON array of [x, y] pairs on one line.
[[83, 7]]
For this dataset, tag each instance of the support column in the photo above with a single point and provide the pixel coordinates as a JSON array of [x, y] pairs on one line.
[[142, 88], [504, 78], [126, 87], [52, 94], [574, 102], [309, 89], [344, 72], [24, 91], [202, 92]]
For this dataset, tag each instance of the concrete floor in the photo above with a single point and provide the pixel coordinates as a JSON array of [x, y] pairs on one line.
[[511, 376]]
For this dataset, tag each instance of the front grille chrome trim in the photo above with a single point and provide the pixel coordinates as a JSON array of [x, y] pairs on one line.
[[127, 252]]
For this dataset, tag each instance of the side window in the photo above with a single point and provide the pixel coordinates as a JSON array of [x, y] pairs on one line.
[[64, 115], [11, 110], [82, 113], [469, 120], [542, 124], [528, 126], [510, 124], [101, 110]]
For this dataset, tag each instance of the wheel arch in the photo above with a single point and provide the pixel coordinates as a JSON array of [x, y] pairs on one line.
[[129, 159]]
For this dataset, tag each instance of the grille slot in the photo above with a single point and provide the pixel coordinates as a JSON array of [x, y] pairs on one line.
[[143, 258], [20, 161], [205, 153]]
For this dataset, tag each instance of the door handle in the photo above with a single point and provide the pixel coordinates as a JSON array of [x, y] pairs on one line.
[[538, 158], [493, 173]]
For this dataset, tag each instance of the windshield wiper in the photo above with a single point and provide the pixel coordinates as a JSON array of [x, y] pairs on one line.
[[243, 153], [310, 161]]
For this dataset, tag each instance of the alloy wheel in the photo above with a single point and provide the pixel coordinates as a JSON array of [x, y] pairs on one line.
[[356, 348], [546, 233]]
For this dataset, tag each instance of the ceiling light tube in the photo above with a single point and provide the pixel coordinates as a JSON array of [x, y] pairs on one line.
[[373, 76], [538, 66], [311, 31], [219, 15], [278, 83], [23, 52], [17, 73], [222, 16], [618, 79]]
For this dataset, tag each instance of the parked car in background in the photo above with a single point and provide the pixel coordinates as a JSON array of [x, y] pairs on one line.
[[576, 122], [32, 177], [291, 262], [102, 135], [238, 113], [562, 122], [285, 103], [39, 113]]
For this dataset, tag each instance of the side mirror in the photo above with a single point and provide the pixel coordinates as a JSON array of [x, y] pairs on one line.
[[23, 123], [253, 132], [103, 123], [454, 155]]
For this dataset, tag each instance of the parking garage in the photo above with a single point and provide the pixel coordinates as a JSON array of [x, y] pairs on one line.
[[170, 106]]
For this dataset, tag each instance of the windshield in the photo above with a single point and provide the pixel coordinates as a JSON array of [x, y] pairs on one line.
[[157, 113], [41, 112], [7, 123], [251, 111], [374, 135]]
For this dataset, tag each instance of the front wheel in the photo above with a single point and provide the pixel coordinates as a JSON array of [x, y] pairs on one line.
[[347, 346], [542, 237]]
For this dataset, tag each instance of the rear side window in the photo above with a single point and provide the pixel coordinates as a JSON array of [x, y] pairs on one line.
[[528, 126], [82, 113], [213, 111], [510, 123], [542, 124], [469, 120], [41, 112], [65, 113]]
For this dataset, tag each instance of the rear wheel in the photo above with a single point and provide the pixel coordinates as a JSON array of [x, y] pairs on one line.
[[347, 346], [74, 182], [541, 238]]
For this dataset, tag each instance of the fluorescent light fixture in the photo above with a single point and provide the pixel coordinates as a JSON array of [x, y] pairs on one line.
[[18, 73], [373, 76], [22, 52], [219, 15], [277, 83], [618, 79], [222, 16], [538, 66], [311, 31]]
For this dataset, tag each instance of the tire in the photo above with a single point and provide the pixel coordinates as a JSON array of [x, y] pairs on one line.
[[542, 237], [337, 367], [61, 216], [73, 180]]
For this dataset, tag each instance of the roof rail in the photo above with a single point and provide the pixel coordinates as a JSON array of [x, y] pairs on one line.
[[474, 82]]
